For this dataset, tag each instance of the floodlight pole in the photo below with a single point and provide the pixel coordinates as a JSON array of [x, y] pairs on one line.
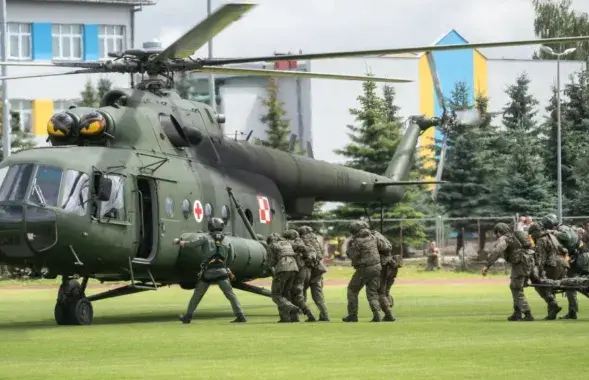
[[558, 128], [6, 138], [212, 99]]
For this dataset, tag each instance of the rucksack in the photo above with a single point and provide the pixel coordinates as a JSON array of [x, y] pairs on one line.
[[523, 239], [582, 262]]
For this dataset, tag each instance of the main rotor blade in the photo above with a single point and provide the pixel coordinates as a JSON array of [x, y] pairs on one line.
[[436, 80], [417, 49], [196, 37], [440, 170], [24, 64], [293, 74], [83, 71]]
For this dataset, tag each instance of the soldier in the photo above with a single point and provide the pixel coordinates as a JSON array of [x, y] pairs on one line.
[[215, 269], [516, 251], [550, 263], [304, 257], [281, 258], [317, 271], [567, 236], [363, 251]]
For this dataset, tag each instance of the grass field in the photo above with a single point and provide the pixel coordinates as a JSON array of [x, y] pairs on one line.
[[444, 329]]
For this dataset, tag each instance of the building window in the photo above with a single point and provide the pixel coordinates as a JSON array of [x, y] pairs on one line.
[[111, 38], [19, 41], [67, 41], [24, 109]]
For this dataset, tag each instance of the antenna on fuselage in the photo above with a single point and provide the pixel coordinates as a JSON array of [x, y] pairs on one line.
[[247, 138]]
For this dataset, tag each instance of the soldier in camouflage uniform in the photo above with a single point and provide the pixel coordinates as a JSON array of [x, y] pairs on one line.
[[550, 263], [281, 258], [304, 257], [317, 270], [516, 252], [567, 236], [363, 251]]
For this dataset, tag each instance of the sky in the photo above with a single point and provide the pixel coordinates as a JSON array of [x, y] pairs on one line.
[[318, 25]]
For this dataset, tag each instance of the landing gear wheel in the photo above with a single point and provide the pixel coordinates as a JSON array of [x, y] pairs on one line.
[[82, 313], [62, 314]]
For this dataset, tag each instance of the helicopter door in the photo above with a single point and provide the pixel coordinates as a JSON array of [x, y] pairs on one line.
[[147, 206]]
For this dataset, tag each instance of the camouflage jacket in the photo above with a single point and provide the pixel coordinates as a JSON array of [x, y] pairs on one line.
[[549, 251], [311, 241], [304, 255], [281, 257], [568, 237], [521, 259], [363, 249], [385, 248]]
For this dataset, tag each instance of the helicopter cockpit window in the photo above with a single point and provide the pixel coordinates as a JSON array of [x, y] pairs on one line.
[[45, 186], [114, 208], [15, 183], [74, 198]]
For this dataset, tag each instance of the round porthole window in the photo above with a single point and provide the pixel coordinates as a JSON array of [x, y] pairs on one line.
[[225, 212], [169, 206], [208, 210], [186, 208]]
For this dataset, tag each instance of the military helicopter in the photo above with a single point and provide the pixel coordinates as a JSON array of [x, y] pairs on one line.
[[120, 182]]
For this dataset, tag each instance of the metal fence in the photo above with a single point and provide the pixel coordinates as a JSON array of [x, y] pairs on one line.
[[411, 237]]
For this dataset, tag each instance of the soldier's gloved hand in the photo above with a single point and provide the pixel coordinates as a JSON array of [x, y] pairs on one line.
[[484, 271], [176, 241], [231, 275]]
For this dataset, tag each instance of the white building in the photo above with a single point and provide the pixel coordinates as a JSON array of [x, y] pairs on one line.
[[76, 30]]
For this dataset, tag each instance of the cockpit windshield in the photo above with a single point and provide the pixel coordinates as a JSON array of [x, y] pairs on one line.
[[45, 186]]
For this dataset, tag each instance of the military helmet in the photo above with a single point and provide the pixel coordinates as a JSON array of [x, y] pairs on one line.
[[550, 221], [290, 234], [273, 237], [363, 224], [355, 226], [304, 230], [501, 228], [216, 225]]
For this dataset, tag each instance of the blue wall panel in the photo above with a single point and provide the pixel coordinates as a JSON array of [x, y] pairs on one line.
[[42, 48], [91, 49], [452, 66]]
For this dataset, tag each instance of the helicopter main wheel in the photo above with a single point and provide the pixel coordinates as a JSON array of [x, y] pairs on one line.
[[72, 306]]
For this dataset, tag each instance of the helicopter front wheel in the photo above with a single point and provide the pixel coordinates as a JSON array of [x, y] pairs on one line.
[[72, 306]]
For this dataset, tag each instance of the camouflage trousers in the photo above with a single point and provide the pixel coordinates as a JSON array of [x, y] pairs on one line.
[[315, 283], [201, 289], [573, 279], [298, 290], [369, 277], [388, 274], [548, 295], [282, 284], [520, 303]]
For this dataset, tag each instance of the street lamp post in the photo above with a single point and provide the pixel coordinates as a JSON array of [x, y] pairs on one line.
[[548, 50]]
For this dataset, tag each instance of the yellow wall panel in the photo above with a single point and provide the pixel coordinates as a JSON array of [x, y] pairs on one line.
[[42, 112], [426, 107], [481, 76]]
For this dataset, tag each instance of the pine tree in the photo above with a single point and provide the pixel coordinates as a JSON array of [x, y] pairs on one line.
[[557, 19], [104, 86], [278, 128], [525, 188], [373, 144], [89, 95]]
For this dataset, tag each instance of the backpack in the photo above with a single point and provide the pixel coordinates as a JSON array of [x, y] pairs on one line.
[[582, 262], [522, 238]]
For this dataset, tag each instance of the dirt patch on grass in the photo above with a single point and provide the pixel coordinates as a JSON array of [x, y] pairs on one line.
[[435, 282]]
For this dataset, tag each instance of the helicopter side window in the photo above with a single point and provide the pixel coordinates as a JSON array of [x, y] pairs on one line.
[[45, 186], [114, 208], [74, 198], [15, 183]]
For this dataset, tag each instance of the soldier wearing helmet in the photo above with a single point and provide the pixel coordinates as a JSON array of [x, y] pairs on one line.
[[363, 251], [516, 249], [567, 236], [550, 263], [281, 258], [315, 282], [215, 267], [304, 256]]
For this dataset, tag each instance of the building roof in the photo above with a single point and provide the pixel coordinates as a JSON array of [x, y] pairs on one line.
[[122, 2]]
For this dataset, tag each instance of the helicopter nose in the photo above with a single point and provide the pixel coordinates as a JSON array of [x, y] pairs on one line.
[[26, 230]]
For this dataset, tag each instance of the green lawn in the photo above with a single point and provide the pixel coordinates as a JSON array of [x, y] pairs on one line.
[[442, 331]]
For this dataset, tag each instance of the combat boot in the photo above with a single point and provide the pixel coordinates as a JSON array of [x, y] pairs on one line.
[[527, 316], [310, 317], [516, 316], [240, 318], [324, 318], [350, 318], [388, 317], [552, 313], [376, 317], [183, 318], [570, 315], [294, 316]]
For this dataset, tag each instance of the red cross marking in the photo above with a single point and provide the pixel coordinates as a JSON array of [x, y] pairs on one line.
[[198, 211]]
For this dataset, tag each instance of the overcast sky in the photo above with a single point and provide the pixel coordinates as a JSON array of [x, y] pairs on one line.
[[318, 25]]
